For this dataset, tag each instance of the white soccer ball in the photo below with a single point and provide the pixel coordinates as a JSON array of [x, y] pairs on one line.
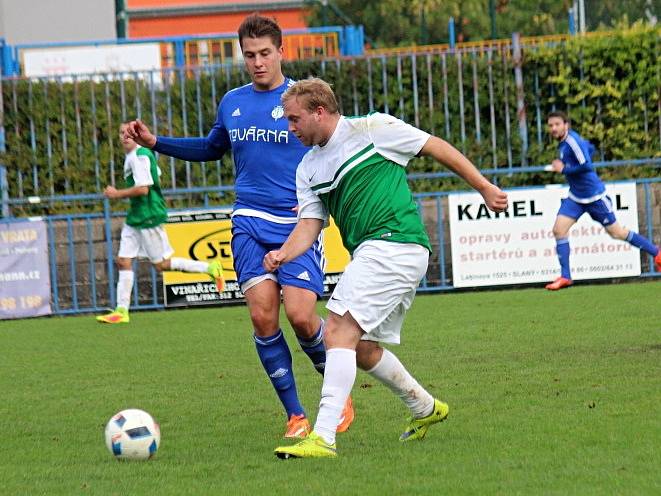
[[132, 435]]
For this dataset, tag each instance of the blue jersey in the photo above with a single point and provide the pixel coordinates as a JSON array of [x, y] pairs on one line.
[[576, 155], [252, 124]]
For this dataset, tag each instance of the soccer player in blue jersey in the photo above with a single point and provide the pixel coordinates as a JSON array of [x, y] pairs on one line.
[[250, 122], [586, 194]]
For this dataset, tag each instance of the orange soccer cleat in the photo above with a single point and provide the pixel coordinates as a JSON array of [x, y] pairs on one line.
[[298, 427], [559, 283], [348, 415], [657, 261]]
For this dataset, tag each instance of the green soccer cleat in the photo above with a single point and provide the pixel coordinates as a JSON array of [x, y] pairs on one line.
[[119, 315], [417, 428], [312, 446], [215, 270]]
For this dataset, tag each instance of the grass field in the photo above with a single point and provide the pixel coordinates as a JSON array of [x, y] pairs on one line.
[[550, 393]]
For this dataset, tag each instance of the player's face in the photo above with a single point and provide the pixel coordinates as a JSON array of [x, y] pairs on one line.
[[262, 59], [127, 143], [304, 124], [557, 128]]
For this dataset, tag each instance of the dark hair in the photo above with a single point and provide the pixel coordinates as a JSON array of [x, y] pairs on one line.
[[559, 114], [256, 26]]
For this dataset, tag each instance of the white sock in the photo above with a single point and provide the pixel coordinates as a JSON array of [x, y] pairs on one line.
[[339, 377], [188, 265], [124, 288], [392, 373]]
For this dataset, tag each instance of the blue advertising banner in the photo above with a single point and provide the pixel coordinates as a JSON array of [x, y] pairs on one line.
[[24, 275]]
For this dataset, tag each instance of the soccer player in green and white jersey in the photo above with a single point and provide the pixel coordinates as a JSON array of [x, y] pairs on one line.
[[356, 173], [142, 233]]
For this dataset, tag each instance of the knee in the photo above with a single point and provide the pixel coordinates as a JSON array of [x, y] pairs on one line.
[[263, 319], [559, 233], [123, 263]]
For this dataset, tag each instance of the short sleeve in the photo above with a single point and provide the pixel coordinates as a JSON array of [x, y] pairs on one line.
[[395, 139], [310, 205], [141, 169]]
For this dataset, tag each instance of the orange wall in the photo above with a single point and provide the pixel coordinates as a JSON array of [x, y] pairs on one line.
[[202, 24]]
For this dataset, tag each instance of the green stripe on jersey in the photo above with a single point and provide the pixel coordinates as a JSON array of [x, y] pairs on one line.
[[350, 161], [373, 201]]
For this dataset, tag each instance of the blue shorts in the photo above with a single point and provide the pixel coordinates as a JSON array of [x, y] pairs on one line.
[[601, 210], [253, 237]]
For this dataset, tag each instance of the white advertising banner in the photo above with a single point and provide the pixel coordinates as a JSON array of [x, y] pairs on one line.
[[89, 60], [518, 246]]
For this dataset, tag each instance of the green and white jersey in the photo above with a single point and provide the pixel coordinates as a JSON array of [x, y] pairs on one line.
[[141, 169], [359, 178]]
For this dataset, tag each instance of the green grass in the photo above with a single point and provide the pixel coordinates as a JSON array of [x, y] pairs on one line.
[[550, 393]]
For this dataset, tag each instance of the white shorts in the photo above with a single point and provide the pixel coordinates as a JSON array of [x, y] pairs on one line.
[[378, 287], [151, 243]]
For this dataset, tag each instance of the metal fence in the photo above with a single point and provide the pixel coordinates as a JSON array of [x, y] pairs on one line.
[[487, 100]]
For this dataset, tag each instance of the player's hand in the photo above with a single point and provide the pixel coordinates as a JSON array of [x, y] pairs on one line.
[[557, 165], [273, 260], [110, 192], [495, 198], [138, 132]]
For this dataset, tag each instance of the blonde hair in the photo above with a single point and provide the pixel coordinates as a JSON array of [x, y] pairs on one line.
[[313, 92]]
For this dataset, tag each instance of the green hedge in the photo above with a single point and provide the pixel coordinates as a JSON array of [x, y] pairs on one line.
[[608, 84]]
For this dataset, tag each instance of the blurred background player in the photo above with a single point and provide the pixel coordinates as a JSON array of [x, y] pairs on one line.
[[587, 193], [250, 122], [143, 233], [356, 173]]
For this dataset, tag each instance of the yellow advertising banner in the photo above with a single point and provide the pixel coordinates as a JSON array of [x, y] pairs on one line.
[[206, 235]]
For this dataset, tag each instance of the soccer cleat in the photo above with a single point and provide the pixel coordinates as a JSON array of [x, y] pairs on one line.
[[657, 261], [118, 316], [347, 417], [417, 428], [298, 427], [312, 446], [215, 270], [559, 283]]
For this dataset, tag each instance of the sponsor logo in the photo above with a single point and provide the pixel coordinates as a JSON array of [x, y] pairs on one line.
[[279, 373], [277, 112], [237, 112], [304, 275]]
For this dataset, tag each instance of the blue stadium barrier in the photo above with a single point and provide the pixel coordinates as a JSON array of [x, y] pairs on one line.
[[82, 248]]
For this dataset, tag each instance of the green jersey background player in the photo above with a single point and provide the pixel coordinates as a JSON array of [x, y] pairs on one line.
[[356, 173], [143, 234]]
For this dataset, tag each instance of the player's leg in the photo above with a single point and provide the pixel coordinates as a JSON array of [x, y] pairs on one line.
[[302, 282], [384, 366], [602, 212], [129, 247], [262, 294], [568, 214], [342, 334], [157, 245]]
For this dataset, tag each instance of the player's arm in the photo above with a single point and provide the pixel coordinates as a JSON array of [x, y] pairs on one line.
[[575, 160], [312, 218], [141, 171], [114, 194], [443, 152], [211, 147], [301, 238]]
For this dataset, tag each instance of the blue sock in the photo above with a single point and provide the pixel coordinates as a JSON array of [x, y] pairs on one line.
[[314, 348], [276, 359], [643, 243], [562, 247]]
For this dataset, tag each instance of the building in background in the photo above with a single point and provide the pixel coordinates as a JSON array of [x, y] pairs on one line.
[[157, 18], [47, 21]]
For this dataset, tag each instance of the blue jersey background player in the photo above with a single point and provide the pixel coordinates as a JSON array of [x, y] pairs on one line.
[[587, 193], [250, 122]]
